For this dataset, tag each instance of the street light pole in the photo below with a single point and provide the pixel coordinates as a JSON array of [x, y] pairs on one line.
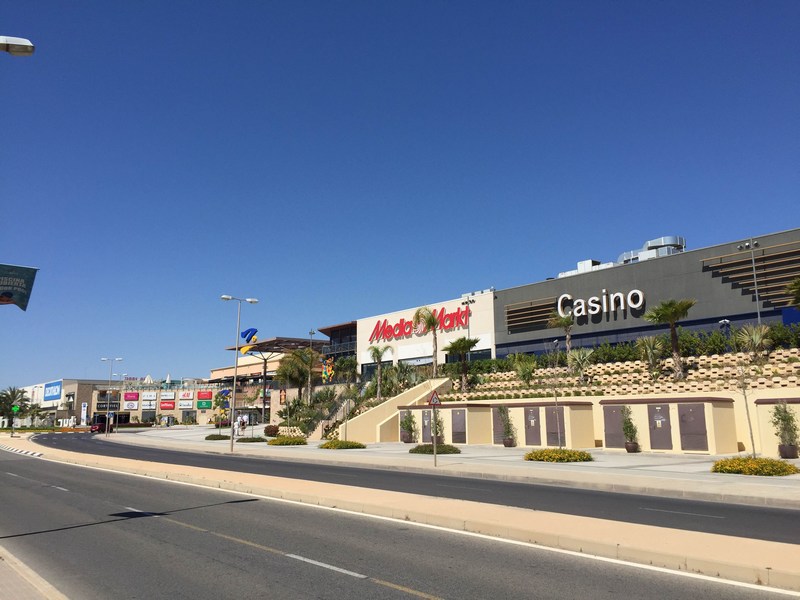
[[227, 297], [16, 46], [110, 362], [751, 245], [555, 391], [121, 385], [310, 361]]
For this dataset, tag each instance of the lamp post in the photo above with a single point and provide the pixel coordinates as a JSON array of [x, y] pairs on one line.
[[16, 46], [751, 245], [555, 391], [226, 297], [121, 384], [725, 325], [310, 361], [110, 362], [466, 303]]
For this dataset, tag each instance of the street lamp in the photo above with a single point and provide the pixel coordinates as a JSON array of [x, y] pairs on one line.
[[121, 384], [751, 245], [110, 362], [226, 297], [555, 391], [16, 46], [310, 361]]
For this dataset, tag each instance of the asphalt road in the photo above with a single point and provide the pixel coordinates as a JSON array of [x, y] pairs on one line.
[[771, 524], [97, 535]]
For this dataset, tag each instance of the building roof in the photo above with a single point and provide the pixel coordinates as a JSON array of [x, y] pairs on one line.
[[283, 345]]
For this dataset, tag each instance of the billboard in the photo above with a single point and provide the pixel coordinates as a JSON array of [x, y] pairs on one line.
[[52, 391], [16, 284]]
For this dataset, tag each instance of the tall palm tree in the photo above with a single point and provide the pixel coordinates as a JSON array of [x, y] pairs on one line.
[[376, 354], [11, 397], [462, 347], [428, 319], [794, 290], [556, 321], [669, 312], [293, 369]]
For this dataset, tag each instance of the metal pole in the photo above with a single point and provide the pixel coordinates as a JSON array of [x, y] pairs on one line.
[[235, 367], [310, 358], [435, 430], [555, 391], [752, 245]]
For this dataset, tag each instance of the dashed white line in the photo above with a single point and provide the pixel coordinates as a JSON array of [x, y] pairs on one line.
[[677, 512], [326, 566]]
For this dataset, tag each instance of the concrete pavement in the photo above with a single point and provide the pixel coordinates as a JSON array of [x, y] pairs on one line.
[[752, 561]]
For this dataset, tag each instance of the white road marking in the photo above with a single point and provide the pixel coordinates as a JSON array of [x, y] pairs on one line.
[[326, 566], [677, 512], [13, 474], [58, 487]]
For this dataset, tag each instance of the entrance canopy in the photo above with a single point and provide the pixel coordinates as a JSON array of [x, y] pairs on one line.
[[282, 345]]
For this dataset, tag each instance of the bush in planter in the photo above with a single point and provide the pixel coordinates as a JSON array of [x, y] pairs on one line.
[[408, 427], [785, 424], [341, 445], [509, 432], [288, 441], [558, 455], [747, 465], [440, 449], [250, 440], [218, 436], [629, 429], [271, 431]]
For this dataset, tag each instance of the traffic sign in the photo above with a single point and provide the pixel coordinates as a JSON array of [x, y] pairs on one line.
[[434, 399], [15, 408]]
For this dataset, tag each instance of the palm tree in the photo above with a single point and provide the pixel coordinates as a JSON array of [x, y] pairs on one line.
[[376, 354], [462, 347], [794, 290], [669, 312], [578, 361], [650, 349], [556, 321], [347, 367], [293, 368], [428, 319], [524, 365], [11, 397]]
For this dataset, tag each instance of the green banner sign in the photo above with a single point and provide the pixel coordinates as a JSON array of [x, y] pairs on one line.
[[204, 404]]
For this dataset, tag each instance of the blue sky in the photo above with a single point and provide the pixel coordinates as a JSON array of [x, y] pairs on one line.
[[339, 160]]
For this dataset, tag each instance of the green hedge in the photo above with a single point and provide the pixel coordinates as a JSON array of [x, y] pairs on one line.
[[440, 449], [288, 441], [341, 445], [218, 436], [560, 455], [747, 465], [250, 440]]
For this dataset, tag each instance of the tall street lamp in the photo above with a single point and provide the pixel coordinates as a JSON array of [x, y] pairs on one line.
[[16, 46], [226, 297], [751, 245], [110, 362], [310, 361], [121, 385]]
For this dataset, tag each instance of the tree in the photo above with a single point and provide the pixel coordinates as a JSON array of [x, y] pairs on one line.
[[347, 368], [11, 397], [669, 312], [556, 321], [427, 318], [293, 368], [524, 365], [794, 290], [376, 354], [221, 402], [754, 342], [578, 361], [462, 347]]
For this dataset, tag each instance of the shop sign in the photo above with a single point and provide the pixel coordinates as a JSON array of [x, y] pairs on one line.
[[148, 405], [167, 405], [204, 395], [204, 404], [403, 329], [168, 395], [186, 395], [131, 396], [131, 404], [150, 396], [604, 303], [52, 391], [185, 404]]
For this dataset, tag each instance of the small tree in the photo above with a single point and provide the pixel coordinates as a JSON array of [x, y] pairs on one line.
[[753, 342], [650, 350], [11, 397], [347, 368], [509, 432], [408, 425], [430, 322], [462, 347], [376, 354], [629, 429], [785, 424], [578, 361], [525, 366]]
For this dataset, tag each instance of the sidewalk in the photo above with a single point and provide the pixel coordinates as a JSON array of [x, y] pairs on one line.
[[752, 561]]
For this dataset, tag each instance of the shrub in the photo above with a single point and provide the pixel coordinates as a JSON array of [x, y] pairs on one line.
[[558, 455], [271, 431], [440, 449], [341, 445], [288, 441], [250, 440], [218, 436], [747, 465]]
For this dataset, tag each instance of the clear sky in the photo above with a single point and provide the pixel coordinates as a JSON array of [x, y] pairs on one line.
[[343, 159]]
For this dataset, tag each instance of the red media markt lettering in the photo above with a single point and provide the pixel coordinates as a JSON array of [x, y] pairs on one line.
[[403, 328]]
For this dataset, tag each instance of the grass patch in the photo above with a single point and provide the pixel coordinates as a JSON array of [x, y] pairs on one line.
[[747, 465], [559, 455], [288, 441], [250, 440], [440, 449], [341, 445], [218, 436]]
